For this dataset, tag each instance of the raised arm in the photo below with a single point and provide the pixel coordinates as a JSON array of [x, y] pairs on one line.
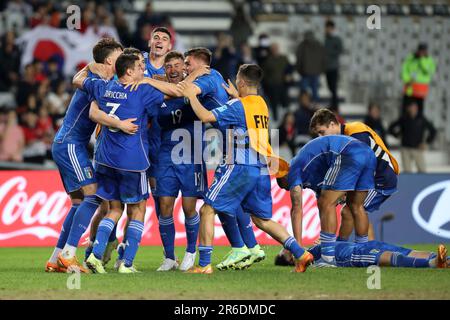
[[99, 116], [189, 91], [80, 76], [297, 212]]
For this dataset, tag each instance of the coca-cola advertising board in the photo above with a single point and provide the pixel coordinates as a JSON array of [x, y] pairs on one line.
[[33, 205]]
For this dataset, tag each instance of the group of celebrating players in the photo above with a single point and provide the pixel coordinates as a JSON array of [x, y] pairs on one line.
[[150, 109]]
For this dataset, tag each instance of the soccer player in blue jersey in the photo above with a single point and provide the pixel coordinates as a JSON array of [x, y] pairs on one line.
[[177, 170], [243, 179], [332, 166], [122, 179], [377, 253], [212, 94], [323, 123], [70, 154]]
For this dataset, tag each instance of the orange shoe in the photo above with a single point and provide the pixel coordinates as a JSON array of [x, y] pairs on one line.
[[441, 259], [303, 262], [54, 267], [198, 269], [71, 265]]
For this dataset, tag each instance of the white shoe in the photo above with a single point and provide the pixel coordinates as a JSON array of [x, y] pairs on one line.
[[188, 261], [124, 269], [321, 263], [168, 264]]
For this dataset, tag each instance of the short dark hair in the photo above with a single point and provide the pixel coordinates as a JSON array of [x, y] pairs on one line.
[[252, 74], [131, 50], [104, 48], [201, 53], [330, 23], [173, 55], [322, 117], [164, 30], [125, 62]]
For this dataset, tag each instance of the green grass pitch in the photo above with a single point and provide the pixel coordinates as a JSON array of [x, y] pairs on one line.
[[22, 276]]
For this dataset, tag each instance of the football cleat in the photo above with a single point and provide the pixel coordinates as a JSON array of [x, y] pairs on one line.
[[117, 264], [257, 255], [233, 257], [441, 259], [188, 261], [71, 265], [303, 262], [127, 270], [168, 265], [198, 269], [54, 267], [108, 251], [94, 264]]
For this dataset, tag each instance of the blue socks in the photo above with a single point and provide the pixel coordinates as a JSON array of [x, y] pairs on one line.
[[292, 245], [245, 228], [399, 260], [328, 243], [205, 255], [167, 232], [121, 249], [361, 239], [134, 235], [113, 235], [82, 218], [104, 230], [66, 227], [192, 224], [230, 226]]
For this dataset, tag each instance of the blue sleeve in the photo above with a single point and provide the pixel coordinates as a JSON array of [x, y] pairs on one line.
[[363, 137], [205, 84], [231, 113], [152, 100], [295, 175], [94, 87]]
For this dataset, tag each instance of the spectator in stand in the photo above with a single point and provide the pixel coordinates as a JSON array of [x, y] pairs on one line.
[[149, 17], [45, 125], [87, 17], [142, 37], [415, 132], [310, 63], [12, 140], [39, 73], [57, 103], [240, 28], [245, 55], [373, 120], [122, 27], [35, 149], [10, 62], [263, 49], [224, 57], [27, 86], [276, 68], [287, 131], [333, 49], [54, 73], [417, 72], [304, 113]]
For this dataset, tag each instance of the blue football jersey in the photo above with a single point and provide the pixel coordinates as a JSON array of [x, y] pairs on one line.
[[309, 166], [76, 126], [117, 149], [232, 116], [213, 94]]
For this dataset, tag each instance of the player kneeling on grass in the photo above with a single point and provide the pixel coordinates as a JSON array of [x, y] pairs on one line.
[[243, 179], [122, 159]]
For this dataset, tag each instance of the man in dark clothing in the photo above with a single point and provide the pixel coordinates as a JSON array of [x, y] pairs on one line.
[[373, 120], [415, 131], [310, 63], [304, 113], [333, 49]]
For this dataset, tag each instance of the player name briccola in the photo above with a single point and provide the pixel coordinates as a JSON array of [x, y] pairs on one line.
[[226, 309]]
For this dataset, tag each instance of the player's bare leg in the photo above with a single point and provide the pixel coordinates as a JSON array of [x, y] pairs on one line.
[[347, 225], [355, 202], [328, 222], [279, 233]]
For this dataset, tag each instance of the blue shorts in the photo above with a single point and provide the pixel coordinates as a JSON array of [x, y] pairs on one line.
[[367, 254], [74, 165], [241, 185], [374, 200], [352, 170], [120, 185], [190, 179]]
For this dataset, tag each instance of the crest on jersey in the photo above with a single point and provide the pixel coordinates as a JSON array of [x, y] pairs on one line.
[[88, 173]]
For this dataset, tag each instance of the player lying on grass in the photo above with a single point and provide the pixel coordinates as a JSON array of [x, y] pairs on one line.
[[362, 255], [243, 178]]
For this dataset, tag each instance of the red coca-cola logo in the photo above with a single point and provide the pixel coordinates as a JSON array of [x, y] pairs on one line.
[[33, 205]]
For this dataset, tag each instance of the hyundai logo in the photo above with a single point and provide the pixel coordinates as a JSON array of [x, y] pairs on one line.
[[440, 214]]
